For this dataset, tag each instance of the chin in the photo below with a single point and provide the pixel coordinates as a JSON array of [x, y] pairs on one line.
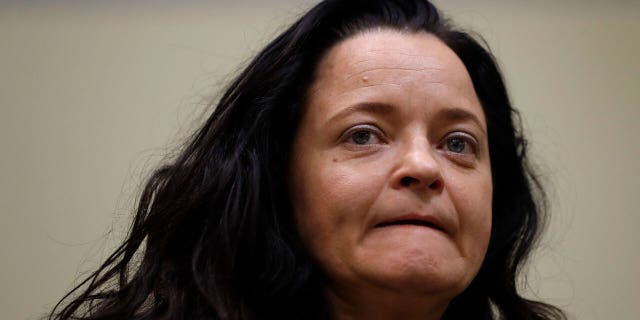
[[394, 263], [419, 275]]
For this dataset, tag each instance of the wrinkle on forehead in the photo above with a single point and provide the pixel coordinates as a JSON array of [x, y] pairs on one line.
[[379, 75], [379, 60], [383, 68], [368, 76]]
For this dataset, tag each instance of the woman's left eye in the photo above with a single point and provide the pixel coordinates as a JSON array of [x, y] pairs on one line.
[[460, 144]]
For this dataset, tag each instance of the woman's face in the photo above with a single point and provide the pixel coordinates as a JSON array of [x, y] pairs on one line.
[[390, 177]]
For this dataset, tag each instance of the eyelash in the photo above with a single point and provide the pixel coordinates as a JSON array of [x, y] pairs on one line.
[[468, 139], [376, 133]]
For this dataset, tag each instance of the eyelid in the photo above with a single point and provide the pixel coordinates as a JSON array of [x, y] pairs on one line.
[[468, 137], [462, 134], [362, 127]]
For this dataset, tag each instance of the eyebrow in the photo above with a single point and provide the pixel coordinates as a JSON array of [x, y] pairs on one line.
[[366, 107], [459, 115]]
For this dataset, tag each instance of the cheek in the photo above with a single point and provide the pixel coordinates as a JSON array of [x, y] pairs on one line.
[[331, 204], [319, 195], [474, 203]]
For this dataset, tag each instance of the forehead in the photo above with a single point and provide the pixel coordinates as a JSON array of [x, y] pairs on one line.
[[390, 53], [413, 71]]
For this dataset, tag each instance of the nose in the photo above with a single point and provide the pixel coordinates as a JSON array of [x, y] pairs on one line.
[[418, 168]]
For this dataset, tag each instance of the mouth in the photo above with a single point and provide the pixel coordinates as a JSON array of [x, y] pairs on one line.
[[412, 220]]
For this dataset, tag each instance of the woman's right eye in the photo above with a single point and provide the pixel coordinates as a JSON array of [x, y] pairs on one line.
[[363, 135]]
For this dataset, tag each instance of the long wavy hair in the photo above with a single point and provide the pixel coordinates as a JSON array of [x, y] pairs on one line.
[[213, 236]]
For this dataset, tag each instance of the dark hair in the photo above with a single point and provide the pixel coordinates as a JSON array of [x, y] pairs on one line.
[[213, 236]]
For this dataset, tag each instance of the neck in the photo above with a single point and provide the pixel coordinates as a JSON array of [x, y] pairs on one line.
[[375, 304]]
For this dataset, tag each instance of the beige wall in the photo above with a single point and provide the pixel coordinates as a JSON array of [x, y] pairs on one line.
[[93, 94]]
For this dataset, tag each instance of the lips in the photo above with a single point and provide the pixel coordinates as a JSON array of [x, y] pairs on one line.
[[413, 220]]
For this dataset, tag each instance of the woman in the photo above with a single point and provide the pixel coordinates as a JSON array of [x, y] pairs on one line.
[[365, 165]]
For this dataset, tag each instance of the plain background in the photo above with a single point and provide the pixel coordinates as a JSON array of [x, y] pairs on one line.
[[94, 94]]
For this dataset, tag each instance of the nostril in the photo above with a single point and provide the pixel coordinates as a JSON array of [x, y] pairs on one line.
[[407, 181], [435, 185], [411, 181]]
